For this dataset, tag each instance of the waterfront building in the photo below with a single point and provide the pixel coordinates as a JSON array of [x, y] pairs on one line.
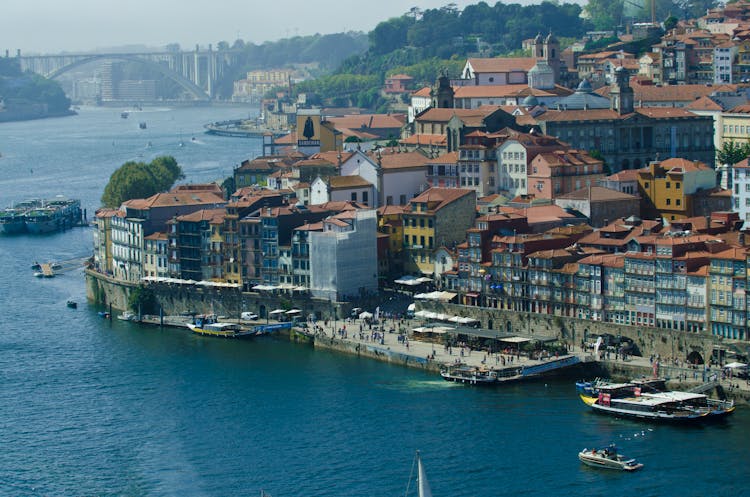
[[267, 231], [343, 256], [156, 255], [390, 226], [437, 217], [103, 240], [727, 273], [196, 245]]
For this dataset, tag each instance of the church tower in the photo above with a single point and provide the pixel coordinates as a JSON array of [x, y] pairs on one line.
[[442, 94], [621, 94], [537, 50], [552, 54]]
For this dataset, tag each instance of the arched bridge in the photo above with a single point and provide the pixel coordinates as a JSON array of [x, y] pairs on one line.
[[196, 72]]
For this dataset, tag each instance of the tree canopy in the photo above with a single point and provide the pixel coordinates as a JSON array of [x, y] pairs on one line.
[[732, 152], [141, 180], [19, 87]]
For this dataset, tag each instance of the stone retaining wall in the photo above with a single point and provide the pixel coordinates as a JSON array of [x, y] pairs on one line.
[[666, 343]]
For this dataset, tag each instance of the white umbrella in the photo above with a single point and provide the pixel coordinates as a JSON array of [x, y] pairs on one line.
[[276, 311], [293, 311], [733, 365], [365, 315]]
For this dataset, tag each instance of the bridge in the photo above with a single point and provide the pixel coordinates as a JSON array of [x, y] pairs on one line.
[[195, 71]]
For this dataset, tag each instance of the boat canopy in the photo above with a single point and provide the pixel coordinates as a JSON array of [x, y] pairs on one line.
[[409, 280]]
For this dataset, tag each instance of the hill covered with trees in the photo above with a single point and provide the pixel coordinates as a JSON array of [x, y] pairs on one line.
[[28, 95]]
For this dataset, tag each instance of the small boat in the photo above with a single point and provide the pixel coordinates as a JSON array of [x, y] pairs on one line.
[[608, 458], [209, 326], [629, 401], [142, 125], [127, 316], [469, 375], [423, 486], [124, 115], [36, 266], [103, 314], [72, 304]]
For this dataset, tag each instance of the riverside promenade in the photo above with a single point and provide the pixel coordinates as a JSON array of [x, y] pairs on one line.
[[345, 336]]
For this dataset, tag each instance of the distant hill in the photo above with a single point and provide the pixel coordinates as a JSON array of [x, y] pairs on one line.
[[28, 95], [423, 43]]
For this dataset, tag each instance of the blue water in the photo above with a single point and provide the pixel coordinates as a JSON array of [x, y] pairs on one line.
[[93, 407]]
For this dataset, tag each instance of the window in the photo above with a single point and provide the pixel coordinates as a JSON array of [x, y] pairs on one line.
[[669, 202], [668, 185], [354, 196], [677, 186], [364, 197], [677, 201]]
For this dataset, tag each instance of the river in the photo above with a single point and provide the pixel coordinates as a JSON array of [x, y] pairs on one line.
[[93, 407]]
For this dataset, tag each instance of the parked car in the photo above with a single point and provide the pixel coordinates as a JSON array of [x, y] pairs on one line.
[[249, 316]]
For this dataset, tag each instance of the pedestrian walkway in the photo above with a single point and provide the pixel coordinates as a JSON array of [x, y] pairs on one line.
[[356, 331]]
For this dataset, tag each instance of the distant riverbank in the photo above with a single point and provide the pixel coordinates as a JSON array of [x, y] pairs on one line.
[[31, 112]]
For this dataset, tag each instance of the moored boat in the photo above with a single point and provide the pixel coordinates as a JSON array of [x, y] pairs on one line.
[[72, 304], [12, 221], [608, 458], [53, 215], [627, 400], [469, 375], [208, 326]]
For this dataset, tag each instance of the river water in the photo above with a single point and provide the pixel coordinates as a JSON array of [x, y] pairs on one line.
[[92, 407]]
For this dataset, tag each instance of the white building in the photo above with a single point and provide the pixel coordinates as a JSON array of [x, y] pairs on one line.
[[723, 59], [421, 100], [343, 257], [396, 176], [342, 188], [741, 190]]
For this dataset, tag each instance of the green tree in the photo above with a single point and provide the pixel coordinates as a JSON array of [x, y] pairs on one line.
[[732, 152], [605, 14], [140, 180], [670, 22]]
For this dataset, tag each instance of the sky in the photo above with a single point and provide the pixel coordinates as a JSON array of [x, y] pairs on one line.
[[54, 26]]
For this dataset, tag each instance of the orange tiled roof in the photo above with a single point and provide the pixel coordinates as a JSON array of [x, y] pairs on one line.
[[502, 64], [174, 199], [440, 197]]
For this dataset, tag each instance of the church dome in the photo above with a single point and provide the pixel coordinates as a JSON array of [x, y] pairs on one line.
[[541, 76], [584, 87], [530, 101]]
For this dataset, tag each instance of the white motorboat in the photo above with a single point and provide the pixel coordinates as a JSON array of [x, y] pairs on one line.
[[608, 458]]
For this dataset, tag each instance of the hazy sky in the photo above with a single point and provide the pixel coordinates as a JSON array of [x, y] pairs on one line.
[[51, 26]]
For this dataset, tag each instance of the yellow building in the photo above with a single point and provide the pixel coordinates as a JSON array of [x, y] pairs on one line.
[[667, 187], [103, 240], [315, 135], [391, 224], [436, 217], [736, 124]]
